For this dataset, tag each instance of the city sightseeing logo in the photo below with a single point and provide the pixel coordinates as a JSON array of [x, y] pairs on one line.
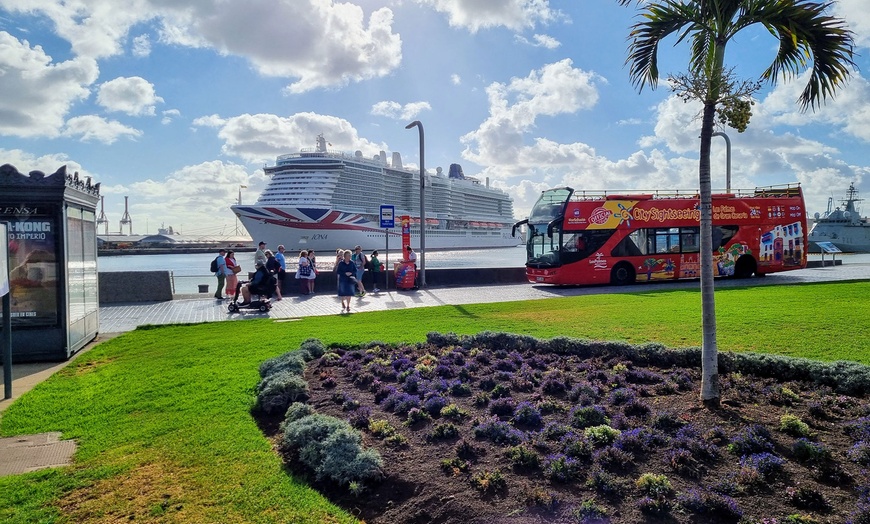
[[599, 216]]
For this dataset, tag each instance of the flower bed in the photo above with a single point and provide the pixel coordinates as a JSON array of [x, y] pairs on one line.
[[498, 425]]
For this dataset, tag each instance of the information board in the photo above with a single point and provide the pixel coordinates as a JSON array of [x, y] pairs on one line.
[[388, 217]]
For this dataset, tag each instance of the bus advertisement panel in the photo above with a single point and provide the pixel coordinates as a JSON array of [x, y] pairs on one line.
[[602, 237]]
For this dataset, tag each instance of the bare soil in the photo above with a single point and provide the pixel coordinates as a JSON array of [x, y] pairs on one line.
[[418, 488]]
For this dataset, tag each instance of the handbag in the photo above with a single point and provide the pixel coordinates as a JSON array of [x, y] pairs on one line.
[[237, 270], [304, 271]]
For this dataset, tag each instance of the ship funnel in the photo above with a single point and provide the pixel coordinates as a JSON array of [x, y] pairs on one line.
[[383, 157], [455, 171], [487, 181], [397, 161]]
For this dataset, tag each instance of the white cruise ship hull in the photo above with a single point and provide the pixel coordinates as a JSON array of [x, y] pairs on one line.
[[327, 230]]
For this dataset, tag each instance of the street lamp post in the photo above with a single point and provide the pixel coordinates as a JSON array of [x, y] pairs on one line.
[[419, 126], [727, 160]]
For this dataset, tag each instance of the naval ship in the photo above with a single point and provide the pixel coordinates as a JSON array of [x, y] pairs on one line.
[[845, 228]]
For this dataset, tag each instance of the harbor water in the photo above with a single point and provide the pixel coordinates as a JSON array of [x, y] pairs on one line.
[[189, 271]]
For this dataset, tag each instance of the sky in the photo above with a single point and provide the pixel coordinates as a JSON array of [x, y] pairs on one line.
[[177, 104]]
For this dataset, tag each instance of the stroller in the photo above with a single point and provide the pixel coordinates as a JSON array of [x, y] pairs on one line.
[[261, 286]]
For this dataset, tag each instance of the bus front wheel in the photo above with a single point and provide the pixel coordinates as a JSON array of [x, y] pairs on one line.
[[622, 274], [745, 267]]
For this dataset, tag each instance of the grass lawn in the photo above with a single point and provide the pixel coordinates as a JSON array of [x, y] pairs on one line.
[[162, 417]]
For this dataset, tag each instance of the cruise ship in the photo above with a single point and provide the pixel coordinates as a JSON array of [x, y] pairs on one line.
[[845, 228], [323, 200]]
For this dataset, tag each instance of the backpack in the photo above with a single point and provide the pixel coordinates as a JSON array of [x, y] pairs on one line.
[[214, 266]]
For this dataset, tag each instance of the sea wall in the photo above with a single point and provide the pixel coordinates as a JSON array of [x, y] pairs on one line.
[[135, 286], [156, 286]]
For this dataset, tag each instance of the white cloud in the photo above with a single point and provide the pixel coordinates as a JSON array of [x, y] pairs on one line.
[[26, 162], [455, 79], [482, 14], [92, 127], [398, 111], [321, 43], [169, 115], [194, 198], [555, 89], [260, 138], [857, 17], [141, 46], [540, 41], [134, 96], [318, 42], [36, 94]]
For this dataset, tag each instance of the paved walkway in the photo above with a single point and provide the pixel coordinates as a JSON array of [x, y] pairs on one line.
[[26, 453]]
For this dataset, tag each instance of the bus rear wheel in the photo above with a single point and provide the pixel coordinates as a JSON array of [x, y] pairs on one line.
[[745, 267], [622, 274]]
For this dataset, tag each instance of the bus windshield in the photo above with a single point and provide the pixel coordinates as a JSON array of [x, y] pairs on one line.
[[550, 205], [543, 250]]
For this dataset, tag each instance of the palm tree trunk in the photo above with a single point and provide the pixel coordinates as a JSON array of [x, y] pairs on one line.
[[709, 350]]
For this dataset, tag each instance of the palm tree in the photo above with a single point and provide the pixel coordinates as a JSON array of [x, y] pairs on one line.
[[808, 39]]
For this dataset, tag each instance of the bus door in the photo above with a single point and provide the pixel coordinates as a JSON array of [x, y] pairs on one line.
[[543, 245]]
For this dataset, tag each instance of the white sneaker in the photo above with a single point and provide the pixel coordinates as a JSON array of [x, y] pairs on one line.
[[376, 290]]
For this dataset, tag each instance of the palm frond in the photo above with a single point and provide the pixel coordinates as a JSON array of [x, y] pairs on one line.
[[659, 21], [808, 38]]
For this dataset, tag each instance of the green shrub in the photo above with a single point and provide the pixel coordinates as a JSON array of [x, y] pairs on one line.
[[489, 481], [655, 485], [443, 432], [314, 347], [296, 411], [291, 361], [332, 449], [344, 460], [278, 390], [602, 434], [452, 411], [523, 457], [454, 466], [381, 428], [416, 415], [793, 425]]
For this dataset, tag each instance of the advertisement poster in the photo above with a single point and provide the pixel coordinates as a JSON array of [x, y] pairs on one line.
[[33, 271], [4, 257]]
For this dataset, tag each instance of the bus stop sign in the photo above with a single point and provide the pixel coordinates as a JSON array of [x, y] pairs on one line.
[[388, 217]]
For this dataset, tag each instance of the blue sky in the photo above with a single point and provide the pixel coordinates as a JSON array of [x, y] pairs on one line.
[[177, 103]]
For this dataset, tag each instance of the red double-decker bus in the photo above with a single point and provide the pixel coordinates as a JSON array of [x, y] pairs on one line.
[[599, 237]]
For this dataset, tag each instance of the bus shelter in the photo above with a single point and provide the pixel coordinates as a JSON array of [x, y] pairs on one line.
[[52, 246]]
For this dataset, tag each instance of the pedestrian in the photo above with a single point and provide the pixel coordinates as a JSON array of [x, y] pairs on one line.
[[220, 273], [377, 269], [359, 260], [303, 272], [260, 255], [312, 260], [234, 269], [412, 257], [346, 270], [339, 256], [279, 256], [273, 267]]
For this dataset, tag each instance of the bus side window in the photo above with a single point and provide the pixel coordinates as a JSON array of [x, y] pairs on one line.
[[689, 237], [627, 247], [722, 235]]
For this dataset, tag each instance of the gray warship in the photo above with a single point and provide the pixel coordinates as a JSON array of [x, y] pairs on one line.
[[845, 228]]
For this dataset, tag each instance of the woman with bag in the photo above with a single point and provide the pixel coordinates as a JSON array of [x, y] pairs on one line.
[[233, 269]]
